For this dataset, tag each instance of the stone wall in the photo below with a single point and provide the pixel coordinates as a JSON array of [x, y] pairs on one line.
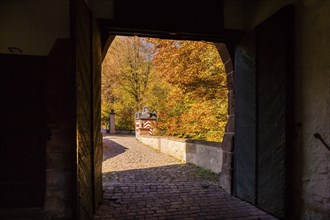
[[119, 131], [84, 112], [208, 155], [97, 135], [59, 149], [174, 147], [88, 50], [205, 154], [226, 176], [60, 168]]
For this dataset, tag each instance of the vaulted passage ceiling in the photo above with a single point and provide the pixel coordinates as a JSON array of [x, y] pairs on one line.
[[33, 26]]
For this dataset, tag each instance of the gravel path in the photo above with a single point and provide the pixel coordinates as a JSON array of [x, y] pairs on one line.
[[141, 183]]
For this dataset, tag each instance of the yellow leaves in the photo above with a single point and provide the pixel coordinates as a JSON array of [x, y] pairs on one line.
[[192, 62], [196, 102], [184, 81], [201, 121]]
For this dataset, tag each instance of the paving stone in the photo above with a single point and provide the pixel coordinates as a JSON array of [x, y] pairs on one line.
[[141, 183]]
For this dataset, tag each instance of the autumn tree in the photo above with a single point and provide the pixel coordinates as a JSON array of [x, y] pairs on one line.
[[183, 81], [126, 74], [193, 74]]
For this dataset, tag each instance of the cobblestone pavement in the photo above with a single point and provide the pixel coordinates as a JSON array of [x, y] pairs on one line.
[[141, 183]]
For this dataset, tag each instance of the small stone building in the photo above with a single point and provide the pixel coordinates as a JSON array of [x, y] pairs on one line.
[[145, 122]]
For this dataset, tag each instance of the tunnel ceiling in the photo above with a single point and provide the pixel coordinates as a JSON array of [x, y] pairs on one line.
[[172, 19], [34, 26], [170, 15]]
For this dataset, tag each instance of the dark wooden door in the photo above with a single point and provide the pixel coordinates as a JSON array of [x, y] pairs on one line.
[[274, 51], [22, 130], [263, 93], [245, 133]]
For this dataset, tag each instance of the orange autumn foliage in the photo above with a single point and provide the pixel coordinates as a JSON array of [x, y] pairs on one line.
[[183, 81]]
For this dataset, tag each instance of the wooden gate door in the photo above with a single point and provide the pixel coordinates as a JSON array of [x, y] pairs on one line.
[[274, 51], [245, 127], [264, 69]]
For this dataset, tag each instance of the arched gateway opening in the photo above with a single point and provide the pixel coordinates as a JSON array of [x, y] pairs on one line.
[[179, 27], [150, 183], [229, 129]]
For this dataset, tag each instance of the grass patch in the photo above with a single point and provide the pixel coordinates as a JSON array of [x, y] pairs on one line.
[[206, 174]]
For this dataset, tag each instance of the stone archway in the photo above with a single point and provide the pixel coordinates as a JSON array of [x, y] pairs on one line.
[[226, 176], [228, 138]]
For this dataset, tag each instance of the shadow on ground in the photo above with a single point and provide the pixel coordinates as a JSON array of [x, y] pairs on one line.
[[144, 184], [162, 174], [111, 148], [181, 191]]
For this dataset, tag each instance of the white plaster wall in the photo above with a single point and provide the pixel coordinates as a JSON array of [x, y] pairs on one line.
[[313, 105]]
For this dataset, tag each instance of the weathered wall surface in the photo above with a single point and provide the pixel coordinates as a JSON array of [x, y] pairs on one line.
[[313, 108], [174, 147], [226, 175], [60, 170], [97, 136], [202, 153], [208, 155], [151, 142], [88, 88]]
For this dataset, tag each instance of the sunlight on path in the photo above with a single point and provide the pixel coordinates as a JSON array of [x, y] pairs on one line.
[[126, 153], [141, 183]]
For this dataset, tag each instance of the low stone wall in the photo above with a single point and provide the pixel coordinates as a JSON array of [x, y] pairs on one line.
[[208, 155], [118, 131]]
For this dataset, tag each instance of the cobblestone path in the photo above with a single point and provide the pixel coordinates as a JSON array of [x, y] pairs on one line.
[[140, 183]]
